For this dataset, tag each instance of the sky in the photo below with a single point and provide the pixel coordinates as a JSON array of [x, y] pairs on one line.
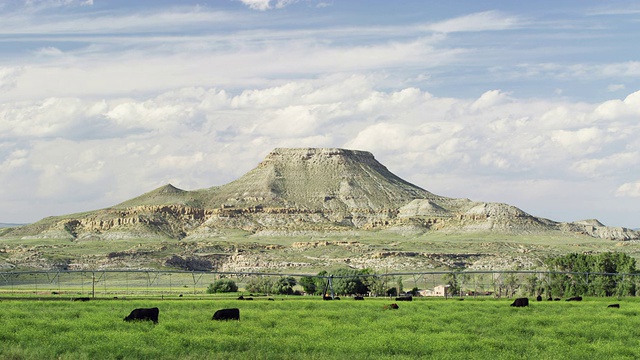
[[531, 103]]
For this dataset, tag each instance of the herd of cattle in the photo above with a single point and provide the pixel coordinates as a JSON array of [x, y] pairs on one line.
[[521, 302], [151, 314]]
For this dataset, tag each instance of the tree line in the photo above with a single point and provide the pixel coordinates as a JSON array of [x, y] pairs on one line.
[[603, 274], [591, 281], [343, 282]]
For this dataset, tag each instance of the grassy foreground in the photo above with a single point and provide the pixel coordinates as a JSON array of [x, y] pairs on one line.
[[313, 329]]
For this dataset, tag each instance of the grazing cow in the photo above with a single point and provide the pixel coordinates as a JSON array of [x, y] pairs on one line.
[[271, 299], [550, 298], [614, 306], [393, 306], [520, 302], [248, 298], [557, 299], [405, 298], [575, 298], [539, 298], [240, 297], [81, 299], [144, 314], [358, 298], [226, 314], [327, 298]]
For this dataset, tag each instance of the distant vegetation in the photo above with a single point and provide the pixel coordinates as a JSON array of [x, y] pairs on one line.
[[222, 286], [269, 285], [593, 284]]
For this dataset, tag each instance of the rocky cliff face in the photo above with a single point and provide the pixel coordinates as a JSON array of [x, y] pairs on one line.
[[296, 191]]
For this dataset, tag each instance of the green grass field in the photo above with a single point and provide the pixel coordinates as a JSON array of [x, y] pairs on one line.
[[308, 328]]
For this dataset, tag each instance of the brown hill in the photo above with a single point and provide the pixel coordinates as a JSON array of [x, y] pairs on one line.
[[306, 190]]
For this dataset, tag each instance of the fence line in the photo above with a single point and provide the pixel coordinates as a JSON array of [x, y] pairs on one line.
[[176, 282]]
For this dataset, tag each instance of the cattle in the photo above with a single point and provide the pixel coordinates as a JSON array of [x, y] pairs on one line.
[[557, 299], [539, 298], [240, 297], [520, 302], [393, 306], [405, 298], [227, 314], [144, 314], [358, 298], [271, 299], [614, 306], [327, 298], [81, 299], [575, 298]]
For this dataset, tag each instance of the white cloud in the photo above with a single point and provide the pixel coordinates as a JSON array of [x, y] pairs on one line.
[[9, 77], [104, 151], [482, 21], [615, 87], [579, 141], [263, 5], [614, 109], [630, 189], [608, 165], [489, 99]]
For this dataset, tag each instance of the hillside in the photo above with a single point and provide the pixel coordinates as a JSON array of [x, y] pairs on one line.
[[304, 192]]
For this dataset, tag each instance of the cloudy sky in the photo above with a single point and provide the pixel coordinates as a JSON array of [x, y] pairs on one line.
[[535, 104]]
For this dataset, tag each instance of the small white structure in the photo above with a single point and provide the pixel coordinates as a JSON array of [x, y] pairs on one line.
[[437, 291], [440, 290]]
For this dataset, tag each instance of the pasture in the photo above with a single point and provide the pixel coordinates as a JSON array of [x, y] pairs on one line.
[[309, 328]]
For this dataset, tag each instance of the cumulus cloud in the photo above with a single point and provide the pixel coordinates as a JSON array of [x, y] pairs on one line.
[[105, 151], [631, 189]]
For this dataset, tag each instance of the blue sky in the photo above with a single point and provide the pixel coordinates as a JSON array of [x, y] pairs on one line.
[[536, 104]]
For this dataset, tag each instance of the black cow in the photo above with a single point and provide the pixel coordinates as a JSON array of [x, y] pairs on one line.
[[226, 314], [614, 306], [539, 298], [327, 298], [144, 314], [358, 298], [405, 298], [81, 299], [520, 302], [575, 298]]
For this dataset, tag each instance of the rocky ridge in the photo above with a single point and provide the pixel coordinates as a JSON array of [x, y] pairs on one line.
[[307, 190], [309, 193]]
